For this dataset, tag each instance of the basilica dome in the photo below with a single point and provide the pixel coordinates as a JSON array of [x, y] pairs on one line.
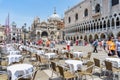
[[54, 17]]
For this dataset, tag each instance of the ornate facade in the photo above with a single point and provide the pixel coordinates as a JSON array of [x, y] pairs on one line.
[[93, 19], [2, 33], [47, 29], [15, 33]]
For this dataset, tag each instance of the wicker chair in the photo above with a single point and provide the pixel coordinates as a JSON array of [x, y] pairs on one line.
[[87, 57], [4, 64], [88, 70], [54, 68], [67, 55], [66, 74], [4, 76], [43, 61], [71, 56], [110, 69], [98, 65]]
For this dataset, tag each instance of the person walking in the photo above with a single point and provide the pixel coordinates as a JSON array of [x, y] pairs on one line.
[[68, 45], [95, 45], [111, 46], [104, 44], [118, 46]]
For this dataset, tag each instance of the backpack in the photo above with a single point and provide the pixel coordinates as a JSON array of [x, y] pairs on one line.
[[95, 43]]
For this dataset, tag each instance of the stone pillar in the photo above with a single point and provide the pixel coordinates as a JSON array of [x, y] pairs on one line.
[[102, 26], [89, 28], [106, 25], [110, 23], [99, 25], [115, 23]]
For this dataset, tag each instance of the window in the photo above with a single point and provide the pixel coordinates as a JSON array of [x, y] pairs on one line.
[[76, 16], [115, 2], [113, 23], [69, 19], [86, 12], [13, 33], [117, 21], [97, 8], [108, 23]]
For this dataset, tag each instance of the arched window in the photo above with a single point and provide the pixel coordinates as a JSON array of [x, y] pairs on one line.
[[69, 19], [104, 25], [86, 12], [115, 2], [108, 23], [76, 16], [97, 8], [91, 27], [97, 25], [113, 23], [117, 21]]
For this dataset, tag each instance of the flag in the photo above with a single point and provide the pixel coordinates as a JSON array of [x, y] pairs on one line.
[[7, 27]]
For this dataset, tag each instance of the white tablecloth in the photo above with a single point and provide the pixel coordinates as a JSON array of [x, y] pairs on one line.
[[19, 69], [39, 52], [63, 51], [50, 55], [115, 62], [78, 54], [14, 58], [74, 64], [14, 52]]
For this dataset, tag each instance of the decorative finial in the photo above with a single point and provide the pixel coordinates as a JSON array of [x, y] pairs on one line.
[[54, 10]]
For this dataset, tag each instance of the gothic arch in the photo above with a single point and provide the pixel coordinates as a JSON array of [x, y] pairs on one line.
[[102, 36], [104, 24], [108, 23], [113, 23], [86, 12], [96, 36], [76, 16], [117, 21], [44, 34], [85, 37], [100, 24], [81, 37], [118, 34], [77, 37], [97, 8], [90, 38]]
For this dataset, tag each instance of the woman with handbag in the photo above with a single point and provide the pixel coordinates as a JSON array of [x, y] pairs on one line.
[[111, 46]]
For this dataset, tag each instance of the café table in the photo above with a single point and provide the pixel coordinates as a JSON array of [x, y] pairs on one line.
[[78, 54], [50, 55], [18, 70], [115, 62], [14, 58], [14, 52], [74, 64]]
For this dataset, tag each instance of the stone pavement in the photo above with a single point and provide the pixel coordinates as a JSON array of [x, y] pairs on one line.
[[45, 74]]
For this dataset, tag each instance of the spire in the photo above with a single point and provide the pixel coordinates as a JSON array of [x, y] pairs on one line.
[[54, 10]]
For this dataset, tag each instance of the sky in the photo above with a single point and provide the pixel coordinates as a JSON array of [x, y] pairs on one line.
[[24, 11]]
